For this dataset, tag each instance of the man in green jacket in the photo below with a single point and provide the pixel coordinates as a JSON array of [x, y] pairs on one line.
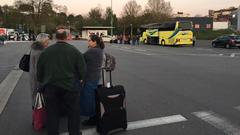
[[60, 68]]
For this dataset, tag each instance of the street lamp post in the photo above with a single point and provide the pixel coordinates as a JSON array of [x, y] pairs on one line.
[[131, 33], [111, 19], [69, 27]]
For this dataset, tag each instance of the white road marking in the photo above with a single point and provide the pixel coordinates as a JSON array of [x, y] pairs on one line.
[[124, 47], [7, 86], [132, 51], [204, 49], [238, 108], [141, 50], [18, 41], [218, 122], [232, 55], [155, 122], [142, 124], [6, 67], [144, 52]]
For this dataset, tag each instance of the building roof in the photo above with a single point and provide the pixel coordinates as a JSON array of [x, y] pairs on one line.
[[97, 27], [225, 10]]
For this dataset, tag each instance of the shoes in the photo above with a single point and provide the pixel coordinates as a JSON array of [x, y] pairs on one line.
[[92, 121]]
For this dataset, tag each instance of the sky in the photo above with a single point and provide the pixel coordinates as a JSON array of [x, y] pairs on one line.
[[193, 7]]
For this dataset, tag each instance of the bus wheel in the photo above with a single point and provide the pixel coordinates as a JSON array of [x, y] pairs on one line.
[[162, 42]]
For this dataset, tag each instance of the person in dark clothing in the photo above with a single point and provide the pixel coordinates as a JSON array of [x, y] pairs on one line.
[[2, 39], [137, 39], [94, 58], [59, 69]]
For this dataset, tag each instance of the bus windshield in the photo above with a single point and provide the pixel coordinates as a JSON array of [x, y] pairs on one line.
[[185, 25], [168, 26]]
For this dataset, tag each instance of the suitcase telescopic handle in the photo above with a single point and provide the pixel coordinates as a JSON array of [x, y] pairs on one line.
[[110, 77], [103, 82]]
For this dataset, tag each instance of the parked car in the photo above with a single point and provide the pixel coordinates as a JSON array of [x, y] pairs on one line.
[[106, 38], [114, 40], [227, 41]]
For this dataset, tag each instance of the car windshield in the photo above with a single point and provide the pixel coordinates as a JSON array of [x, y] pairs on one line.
[[236, 37]]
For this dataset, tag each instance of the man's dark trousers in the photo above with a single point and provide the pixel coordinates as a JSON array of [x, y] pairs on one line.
[[54, 97]]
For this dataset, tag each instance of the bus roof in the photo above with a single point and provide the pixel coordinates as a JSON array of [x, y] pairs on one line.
[[161, 25]]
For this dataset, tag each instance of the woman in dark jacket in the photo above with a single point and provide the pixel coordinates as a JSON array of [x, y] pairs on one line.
[[94, 58]]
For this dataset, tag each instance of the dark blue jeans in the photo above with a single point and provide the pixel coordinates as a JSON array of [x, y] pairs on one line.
[[87, 99]]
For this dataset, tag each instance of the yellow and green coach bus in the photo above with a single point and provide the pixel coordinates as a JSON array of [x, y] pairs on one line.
[[169, 33]]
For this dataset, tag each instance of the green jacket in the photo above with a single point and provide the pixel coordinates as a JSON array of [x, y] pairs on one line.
[[61, 65]]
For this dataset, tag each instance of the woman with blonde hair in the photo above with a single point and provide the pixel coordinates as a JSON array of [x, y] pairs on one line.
[[37, 47]]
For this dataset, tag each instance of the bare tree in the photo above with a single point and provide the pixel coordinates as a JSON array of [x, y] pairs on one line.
[[158, 10], [132, 9], [159, 7], [60, 8], [35, 8], [95, 17]]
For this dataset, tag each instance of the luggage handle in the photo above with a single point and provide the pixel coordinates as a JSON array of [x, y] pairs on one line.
[[113, 96], [110, 77]]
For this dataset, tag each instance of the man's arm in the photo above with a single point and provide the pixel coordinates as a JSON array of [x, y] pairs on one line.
[[81, 66]]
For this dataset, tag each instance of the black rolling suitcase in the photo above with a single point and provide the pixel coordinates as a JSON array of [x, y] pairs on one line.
[[111, 107]]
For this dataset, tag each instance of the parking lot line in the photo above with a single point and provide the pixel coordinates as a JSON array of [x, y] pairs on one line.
[[142, 124], [219, 122], [7, 86], [18, 41], [237, 107], [141, 50], [232, 55], [133, 51]]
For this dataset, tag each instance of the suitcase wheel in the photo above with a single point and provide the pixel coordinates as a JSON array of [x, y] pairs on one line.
[[125, 127]]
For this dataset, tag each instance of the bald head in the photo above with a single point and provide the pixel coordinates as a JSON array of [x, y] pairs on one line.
[[61, 34]]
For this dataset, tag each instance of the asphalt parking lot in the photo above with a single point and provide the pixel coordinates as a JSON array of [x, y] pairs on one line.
[[170, 90]]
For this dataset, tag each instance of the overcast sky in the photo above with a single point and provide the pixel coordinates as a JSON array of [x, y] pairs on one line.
[[192, 7]]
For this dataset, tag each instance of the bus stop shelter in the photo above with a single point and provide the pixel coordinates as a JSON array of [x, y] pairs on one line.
[[98, 30]]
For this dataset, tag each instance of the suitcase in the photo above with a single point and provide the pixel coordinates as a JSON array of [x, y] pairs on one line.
[[110, 107]]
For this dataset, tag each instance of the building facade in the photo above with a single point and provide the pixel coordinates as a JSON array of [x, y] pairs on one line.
[[235, 20], [222, 14], [98, 30], [199, 23]]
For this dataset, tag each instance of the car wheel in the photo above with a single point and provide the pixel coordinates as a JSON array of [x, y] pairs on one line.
[[213, 45], [228, 46]]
